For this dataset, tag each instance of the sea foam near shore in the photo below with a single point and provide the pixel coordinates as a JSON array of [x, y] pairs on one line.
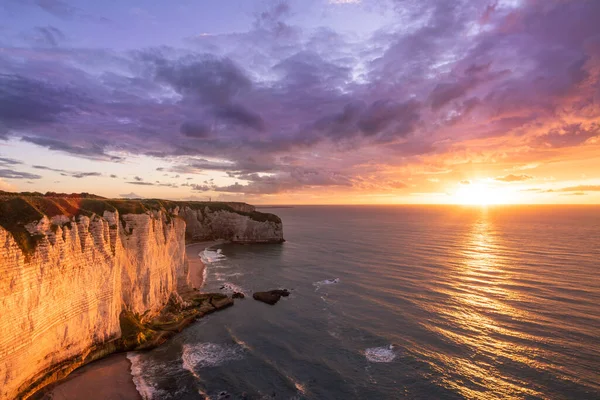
[[138, 367], [211, 256], [203, 355]]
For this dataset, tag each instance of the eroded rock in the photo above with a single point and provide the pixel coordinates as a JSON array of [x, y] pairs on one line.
[[271, 297]]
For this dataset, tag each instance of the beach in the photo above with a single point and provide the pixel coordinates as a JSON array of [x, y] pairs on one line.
[[196, 266], [110, 378], [106, 379]]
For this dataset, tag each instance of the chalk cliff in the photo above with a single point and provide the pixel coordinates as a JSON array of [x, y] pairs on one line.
[[69, 267], [242, 227]]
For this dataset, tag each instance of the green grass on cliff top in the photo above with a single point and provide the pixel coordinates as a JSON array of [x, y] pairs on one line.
[[19, 209]]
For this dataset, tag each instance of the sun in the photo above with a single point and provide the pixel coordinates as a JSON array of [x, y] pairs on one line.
[[480, 194]]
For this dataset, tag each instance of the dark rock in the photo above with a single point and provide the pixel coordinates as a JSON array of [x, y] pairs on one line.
[[237, 295], [272, 296], [221, 302]]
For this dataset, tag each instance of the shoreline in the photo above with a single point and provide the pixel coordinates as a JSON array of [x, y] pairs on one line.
[[111, 378], [197, 268]]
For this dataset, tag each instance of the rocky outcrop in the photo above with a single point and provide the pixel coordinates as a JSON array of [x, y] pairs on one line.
[[72, 268], [209, 223], [271, 297]]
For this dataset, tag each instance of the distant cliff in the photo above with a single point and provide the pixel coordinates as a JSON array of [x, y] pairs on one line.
[[69, 267]]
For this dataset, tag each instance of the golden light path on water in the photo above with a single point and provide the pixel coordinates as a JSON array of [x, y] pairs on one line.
[[424, 303], [479, 302]]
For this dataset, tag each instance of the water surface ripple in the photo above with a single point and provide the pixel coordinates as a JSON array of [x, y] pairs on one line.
[[401, 302]]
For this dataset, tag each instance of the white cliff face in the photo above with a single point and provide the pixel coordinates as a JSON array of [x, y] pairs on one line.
[[67, 296], [207, 224], [60, 303]]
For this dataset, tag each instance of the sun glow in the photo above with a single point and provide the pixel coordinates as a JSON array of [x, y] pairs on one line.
[[481, 194]]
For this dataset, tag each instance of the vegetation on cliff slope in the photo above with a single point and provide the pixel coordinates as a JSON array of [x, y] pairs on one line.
[[20, 209], [15, 213]]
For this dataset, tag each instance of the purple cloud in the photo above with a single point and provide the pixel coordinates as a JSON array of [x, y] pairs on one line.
[[281, 107]]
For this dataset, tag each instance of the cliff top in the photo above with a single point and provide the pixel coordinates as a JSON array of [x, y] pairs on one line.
[[20, 209]]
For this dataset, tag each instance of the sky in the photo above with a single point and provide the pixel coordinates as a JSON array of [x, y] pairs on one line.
[[303, 101]]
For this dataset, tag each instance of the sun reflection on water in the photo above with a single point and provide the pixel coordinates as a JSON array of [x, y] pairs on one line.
[[476, 318]]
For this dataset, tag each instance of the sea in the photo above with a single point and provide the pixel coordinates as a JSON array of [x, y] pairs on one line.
[[398, 302]]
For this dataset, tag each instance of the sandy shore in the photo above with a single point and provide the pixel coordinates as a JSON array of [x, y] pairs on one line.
[[110, 378], [195, 263], [106, 379]]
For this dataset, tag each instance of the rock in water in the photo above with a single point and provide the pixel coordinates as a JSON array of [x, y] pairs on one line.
[[237, 295], [272, 296]]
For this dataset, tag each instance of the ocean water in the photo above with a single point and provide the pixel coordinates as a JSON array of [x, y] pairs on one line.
[[399, 302]]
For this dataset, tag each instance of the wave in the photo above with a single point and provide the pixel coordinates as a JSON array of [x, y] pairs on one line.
[[231, 288], [326, 282], [211, 256], [383, 354], [205, 355], [146, 389]]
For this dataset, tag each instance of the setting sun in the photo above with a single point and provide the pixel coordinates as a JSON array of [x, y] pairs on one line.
[[408, 190], [480, 194]]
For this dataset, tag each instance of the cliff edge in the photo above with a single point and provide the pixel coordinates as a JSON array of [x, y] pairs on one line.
[[72, 265]]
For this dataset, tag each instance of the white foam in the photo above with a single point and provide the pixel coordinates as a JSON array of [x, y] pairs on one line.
[[230, 288], [210, 256], [384, 354], [219, 277], [204, 355], [326, 282], [146, 390], [204, 275]]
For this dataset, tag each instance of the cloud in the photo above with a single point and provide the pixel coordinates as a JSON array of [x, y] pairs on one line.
[[202, 188], [171, 185], [239, 115], [141, 183], [138, 181], [85, 174], [27, 101], [62, 9], [574, 194], [91, 150], [4, 161], [57, 8], [48, 36], [569, 135], [280, 108], [381, 115], [72, 174], [465, 182], [193, 130], [581, 188], [206, 79], [293, 178], [11, 174], [513, 178]]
